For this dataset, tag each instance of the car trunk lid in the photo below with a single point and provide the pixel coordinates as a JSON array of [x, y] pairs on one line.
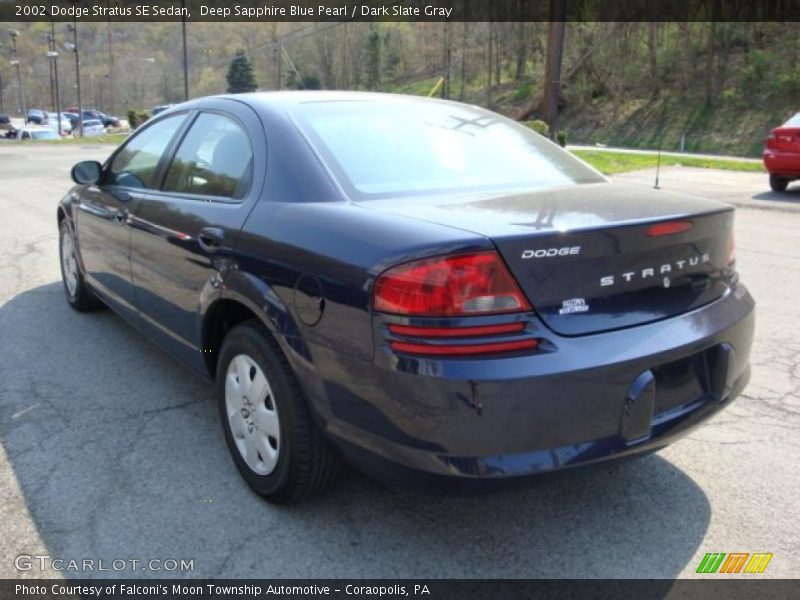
[[787, 139], [597, 257]]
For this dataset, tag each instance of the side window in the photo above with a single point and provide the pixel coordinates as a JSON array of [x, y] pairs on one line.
[[135, 165], [214, 159]]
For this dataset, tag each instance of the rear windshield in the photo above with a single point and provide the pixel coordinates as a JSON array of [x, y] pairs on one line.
[[793, 122], [409, 147]]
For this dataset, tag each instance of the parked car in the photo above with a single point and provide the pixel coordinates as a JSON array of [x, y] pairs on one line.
[[108, 120], [90, 113], [7, 128], [53, 119], [428, 289], [92, 128], [36, 133], [72, 117], [36, 116], [782, 154]]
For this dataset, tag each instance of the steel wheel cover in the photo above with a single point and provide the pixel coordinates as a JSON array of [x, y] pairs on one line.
[[252, 414]]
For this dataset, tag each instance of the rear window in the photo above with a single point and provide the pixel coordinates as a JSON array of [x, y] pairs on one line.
[[793, 122], [408, 147]]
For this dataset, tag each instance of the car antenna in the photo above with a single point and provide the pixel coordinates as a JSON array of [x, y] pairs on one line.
[[658, 161]]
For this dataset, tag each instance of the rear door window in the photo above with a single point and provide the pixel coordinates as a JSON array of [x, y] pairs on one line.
[[214, 159]]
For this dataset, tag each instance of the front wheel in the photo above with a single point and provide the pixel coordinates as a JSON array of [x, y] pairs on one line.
[[79, 296], [778, 184], [268, 427]]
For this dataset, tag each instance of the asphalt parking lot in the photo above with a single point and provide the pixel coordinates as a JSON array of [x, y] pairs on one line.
[[110, 450]]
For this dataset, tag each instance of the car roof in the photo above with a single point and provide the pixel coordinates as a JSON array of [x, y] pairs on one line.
[[283, 100], [290, 98]]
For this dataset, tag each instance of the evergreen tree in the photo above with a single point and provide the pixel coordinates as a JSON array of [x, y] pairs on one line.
[[240, 75], [373, 56]]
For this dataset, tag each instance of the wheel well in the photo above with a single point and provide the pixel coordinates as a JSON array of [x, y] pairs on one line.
[[221, 318]]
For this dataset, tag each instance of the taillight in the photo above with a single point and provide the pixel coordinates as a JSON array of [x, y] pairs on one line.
[[464, 349], [732, 250], [772, 140], [668, 228], [463, 284], [451, 332]]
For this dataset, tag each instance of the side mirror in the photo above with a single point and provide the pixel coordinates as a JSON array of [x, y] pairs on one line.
[[87, 172]]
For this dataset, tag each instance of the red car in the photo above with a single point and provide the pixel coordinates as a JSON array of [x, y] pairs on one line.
[[782, 154]]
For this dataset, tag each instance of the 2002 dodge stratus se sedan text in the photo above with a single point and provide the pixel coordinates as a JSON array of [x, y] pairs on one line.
[[427, 289]]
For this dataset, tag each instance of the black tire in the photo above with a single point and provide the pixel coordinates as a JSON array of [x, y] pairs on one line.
[[778, 184], [82, 298], [306, 464]]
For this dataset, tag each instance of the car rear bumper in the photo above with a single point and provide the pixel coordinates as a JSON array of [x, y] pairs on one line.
[[783, 164], [596, 397]]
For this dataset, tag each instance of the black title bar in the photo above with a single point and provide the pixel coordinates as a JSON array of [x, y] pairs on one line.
[[401, 10], [711, 588]]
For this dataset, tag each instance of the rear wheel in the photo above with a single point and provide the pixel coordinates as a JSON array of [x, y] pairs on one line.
[[79, 296], [268, 427], [778, 184]]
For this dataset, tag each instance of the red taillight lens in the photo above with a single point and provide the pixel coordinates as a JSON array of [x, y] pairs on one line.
[[465, 284], [669, 228], [465, 349], [449, 332], [772, 141]]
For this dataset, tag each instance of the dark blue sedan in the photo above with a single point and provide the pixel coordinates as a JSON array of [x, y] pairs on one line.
[[427, 289]]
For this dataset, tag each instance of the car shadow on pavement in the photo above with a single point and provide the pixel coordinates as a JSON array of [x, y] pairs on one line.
[[119, 455], [792, 195]]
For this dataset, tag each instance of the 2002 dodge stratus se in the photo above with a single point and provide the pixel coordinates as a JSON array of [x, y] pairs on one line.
[[427, 289]]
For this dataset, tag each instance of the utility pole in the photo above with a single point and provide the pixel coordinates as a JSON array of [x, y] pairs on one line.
[[15, 63], [52, 54], [110, 76], [277, 58], [74, 28], [58, 93], [185, 54], [555, 53], [463, 59], [446, 59], [50, 71]]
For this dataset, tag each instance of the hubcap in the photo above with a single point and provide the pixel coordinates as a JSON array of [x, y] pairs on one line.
[[252, 414], [69, 263]]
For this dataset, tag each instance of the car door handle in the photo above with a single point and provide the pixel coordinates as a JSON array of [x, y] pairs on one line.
[[210, 239], [120, 216]]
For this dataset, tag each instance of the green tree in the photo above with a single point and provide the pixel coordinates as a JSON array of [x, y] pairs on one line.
[[373, 59], [240, 75]]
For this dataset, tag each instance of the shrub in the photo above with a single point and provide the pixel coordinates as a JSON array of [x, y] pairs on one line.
[[538, 126], [561, 138], [787, 83], [523, 92], [137, 117]]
